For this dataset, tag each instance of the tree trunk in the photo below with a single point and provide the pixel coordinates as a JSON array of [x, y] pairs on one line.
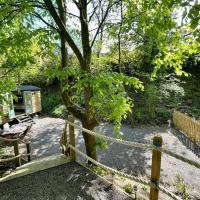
[[90, 142], [119, 38], [87, 116]]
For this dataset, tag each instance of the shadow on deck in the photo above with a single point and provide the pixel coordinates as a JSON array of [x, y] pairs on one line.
[[52, 181]]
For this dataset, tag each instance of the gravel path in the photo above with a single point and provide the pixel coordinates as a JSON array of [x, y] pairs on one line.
[[66, 182], [47, 131]]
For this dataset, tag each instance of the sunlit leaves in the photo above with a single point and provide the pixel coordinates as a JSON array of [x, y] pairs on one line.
[[175, 54], [109, 97], [6, 86], [194, 15], [160, 22]]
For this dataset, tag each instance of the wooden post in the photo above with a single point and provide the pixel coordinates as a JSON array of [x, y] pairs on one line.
[[28, 148], [64, 139], [16, 151], [155, 168], [72, 138]]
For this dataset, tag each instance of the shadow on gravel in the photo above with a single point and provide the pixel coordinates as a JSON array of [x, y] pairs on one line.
[[131, 160], [66, 182], [194, 147], [45, 139]]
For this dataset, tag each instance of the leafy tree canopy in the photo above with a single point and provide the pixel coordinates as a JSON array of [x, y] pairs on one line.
[[27, 28]]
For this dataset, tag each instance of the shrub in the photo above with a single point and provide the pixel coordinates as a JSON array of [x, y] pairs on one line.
[[99, 170], [182, 187], [1, 151], [50, 100], [128, 188], [59, 111], [151, 100]]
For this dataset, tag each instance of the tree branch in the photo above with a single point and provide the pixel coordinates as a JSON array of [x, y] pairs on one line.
[[44, 21], [62, 28], [102, 21], [85, 35], [77, 111], [10, 16], [69, 13], [76, 3], [93, 13]]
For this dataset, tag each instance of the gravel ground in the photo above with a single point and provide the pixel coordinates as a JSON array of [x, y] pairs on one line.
[[47, 131], [66, 182]]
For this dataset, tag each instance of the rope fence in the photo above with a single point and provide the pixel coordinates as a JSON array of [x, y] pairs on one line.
[[8, 140], [136, 179], [156, 149], [15, 157], [15, 143], [111, 139], [137, 145]]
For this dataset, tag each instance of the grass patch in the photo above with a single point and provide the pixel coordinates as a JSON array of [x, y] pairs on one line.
[[181, 187], [99, 170], [128, 188]]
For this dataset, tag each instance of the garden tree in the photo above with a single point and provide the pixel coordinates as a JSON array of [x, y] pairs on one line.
[[101, 91], [160, 28], [21, 54], [98, 15], [11, 59], [90, 84], [174, 34]]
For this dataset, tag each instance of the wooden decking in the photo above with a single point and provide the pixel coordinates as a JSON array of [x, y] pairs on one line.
[[37, 165], [56, 178]]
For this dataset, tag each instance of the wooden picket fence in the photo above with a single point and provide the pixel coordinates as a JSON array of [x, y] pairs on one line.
[[187, 125]]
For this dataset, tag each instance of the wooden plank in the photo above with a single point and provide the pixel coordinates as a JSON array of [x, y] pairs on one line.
[[37, 165], [37, 102]]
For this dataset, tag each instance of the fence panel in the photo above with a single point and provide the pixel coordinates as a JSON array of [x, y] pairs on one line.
[[187, 125]]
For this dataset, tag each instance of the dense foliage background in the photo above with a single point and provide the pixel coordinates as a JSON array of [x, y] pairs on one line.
[[144, 56]]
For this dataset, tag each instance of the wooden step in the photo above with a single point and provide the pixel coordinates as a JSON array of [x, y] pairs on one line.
[[24, 118]]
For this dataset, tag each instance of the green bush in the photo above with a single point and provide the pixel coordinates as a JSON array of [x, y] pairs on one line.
[[59, 111], [99, 170], [50, 100], [151, 97]]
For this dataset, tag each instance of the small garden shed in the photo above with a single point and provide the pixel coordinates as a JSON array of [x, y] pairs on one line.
[[6, 108], [26, 100]]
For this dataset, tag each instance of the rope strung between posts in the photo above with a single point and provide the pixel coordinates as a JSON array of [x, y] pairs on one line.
[[8, 140], [15, 139], [15, 157], [138, 145], [119, 141], [27, 141], [18, 156], [136, 179]]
